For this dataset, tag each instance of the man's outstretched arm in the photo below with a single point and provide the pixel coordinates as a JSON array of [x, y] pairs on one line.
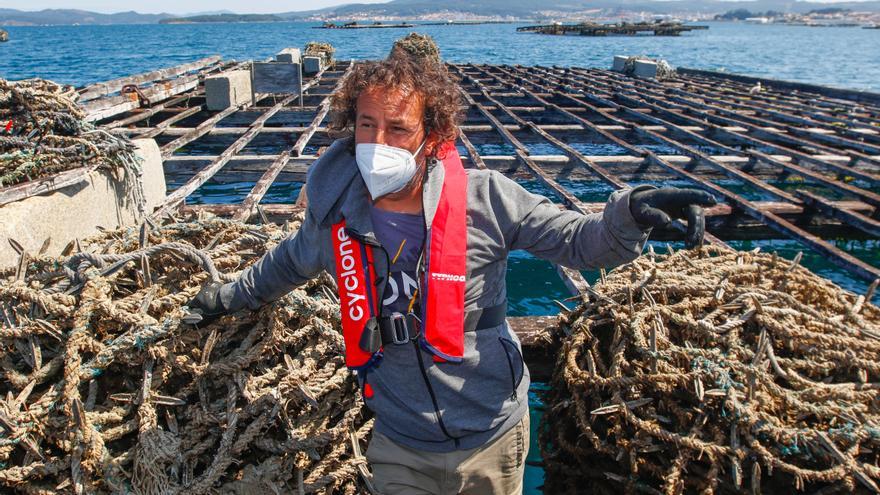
[[599, 240]]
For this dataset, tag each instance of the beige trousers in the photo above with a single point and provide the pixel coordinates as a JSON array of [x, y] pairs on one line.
[[496, 468]]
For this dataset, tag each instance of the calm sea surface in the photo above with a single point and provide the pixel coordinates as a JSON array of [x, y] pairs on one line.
[[843, 57]]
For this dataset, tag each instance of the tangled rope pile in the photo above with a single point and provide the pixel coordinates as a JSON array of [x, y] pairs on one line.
[[43, 132], [319, 49], [716, 371], [417, 45], [664, 70], [112, 385]]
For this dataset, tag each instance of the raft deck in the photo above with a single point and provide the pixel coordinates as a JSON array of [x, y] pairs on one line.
[[356, 25], [621, 29], [800, 163]]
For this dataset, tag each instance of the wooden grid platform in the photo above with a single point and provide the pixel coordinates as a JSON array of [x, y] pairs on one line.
[[788, 163]]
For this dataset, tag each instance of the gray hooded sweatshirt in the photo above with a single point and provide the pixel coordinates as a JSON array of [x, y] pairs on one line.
[[441, 407]]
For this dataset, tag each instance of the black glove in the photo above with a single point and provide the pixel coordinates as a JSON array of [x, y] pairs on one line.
[[657, 208], [207, 303]]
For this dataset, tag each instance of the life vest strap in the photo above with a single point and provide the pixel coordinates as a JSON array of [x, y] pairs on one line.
[[398, 328], [485, 318]]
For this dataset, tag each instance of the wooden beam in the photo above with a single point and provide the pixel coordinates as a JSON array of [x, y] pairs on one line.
[[199, 131], [540, 345], [149, 112], [45, 185], [108, 107], [249, 205], [100, 89], [165, 124], [862, 222]]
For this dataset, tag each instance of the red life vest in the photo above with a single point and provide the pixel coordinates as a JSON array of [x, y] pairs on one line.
[[442, 288]]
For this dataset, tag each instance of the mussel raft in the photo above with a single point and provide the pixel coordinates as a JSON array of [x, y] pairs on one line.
[[697, 371]]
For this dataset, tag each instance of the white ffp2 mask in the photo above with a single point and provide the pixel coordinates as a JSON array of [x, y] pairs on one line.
[[385, 169]]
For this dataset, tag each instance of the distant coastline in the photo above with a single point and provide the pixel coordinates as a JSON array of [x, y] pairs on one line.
[[455, 12], [198, 19]]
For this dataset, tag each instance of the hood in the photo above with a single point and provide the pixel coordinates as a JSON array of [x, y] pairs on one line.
[[329, 178], [335, 189]]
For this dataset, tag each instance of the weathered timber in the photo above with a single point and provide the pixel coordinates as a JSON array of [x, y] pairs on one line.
[[824, 91], [174, 199], [593, 167], [151, 111], [45, 185], [249, 205], [105, 88]]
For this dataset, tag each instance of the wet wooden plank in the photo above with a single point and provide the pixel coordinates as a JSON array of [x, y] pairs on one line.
[[165, 124], [198, 131]]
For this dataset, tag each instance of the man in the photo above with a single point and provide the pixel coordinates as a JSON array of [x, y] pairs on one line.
[[418, 247]]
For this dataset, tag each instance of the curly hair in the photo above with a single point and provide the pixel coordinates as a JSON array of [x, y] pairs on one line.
[[430, 80]]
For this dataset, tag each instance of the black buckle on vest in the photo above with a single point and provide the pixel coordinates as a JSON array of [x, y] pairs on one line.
[[398, 328], [371, 338]]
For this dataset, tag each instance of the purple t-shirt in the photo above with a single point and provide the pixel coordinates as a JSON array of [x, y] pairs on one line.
[[402, 236]]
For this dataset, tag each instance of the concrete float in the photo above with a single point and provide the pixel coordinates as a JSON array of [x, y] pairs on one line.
[[228, 89], [312, 64], [289, 55]]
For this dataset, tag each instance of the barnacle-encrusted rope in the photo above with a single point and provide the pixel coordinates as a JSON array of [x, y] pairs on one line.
[[715, 370], [116, 387], [320, 49], [47, 133]]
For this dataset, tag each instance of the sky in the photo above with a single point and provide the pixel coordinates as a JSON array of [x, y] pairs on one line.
[[191, 6]]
